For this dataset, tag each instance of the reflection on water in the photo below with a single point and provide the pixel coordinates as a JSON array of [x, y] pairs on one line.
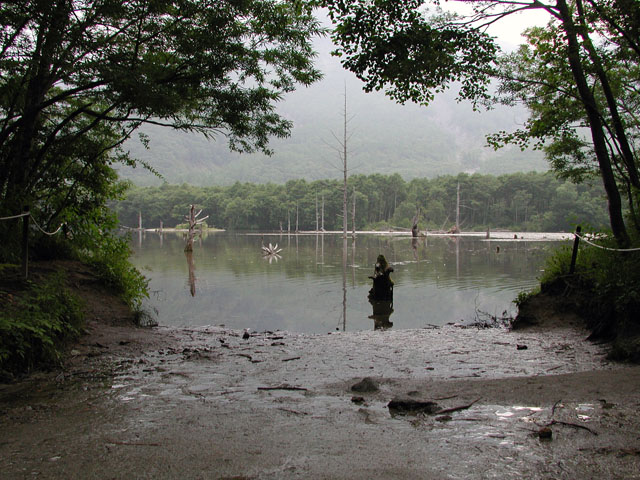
[[319, 283], [382, 310], [192, 272]]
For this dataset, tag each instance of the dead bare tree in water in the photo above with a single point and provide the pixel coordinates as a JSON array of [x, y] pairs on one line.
[[194, 221], [343, 152]]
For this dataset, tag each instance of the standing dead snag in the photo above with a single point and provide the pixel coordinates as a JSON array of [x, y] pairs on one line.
[[194, 221], [382, 283], [414, 223]]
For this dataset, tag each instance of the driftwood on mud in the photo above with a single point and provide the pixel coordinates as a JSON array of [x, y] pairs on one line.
[[290, 359], [284, 387], [133, 444], [566, 424], [457, 409], [570, 424]]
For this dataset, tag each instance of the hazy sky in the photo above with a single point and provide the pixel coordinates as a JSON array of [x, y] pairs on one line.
[[509, 30]]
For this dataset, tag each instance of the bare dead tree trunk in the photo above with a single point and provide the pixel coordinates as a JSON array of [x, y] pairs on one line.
[[353, 216], [458, 209], [344, 162], [414, 223], [193, 220]]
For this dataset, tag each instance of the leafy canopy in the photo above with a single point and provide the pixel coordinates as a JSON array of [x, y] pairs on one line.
[[78, 77], [578, 76], [411, 54]]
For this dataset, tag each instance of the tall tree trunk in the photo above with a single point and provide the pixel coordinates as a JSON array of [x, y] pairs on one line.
[[595, 124], [22, 152], [618, 127]]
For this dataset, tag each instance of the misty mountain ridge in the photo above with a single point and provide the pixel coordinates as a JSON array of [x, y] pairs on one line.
[[446, 137]]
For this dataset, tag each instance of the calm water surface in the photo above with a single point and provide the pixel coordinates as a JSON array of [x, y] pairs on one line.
[[320, 282]]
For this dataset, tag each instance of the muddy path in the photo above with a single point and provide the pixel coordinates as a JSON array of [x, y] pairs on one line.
[[208, 403]]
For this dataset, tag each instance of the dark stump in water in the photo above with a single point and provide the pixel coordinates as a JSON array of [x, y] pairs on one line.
[[382, 283]]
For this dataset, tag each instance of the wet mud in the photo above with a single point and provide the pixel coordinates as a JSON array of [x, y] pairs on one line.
[[208, 403]]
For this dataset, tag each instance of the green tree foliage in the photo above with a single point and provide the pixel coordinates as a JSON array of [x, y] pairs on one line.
[[579, 71], [389, 45], [531, 201], [78, 77]]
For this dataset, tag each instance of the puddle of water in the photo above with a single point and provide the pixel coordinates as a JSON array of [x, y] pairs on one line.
[[584, 411]]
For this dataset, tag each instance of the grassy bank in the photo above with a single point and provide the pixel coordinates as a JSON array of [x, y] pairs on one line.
[[39, 318], [604, 290], [42, 316]]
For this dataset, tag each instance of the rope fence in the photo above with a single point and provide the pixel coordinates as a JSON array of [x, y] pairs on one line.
[[44, 231], [585, 240], [26, 215], [576, 243], [15, 216]]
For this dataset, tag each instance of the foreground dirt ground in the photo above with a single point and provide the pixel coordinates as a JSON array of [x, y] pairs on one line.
[[208, 403]]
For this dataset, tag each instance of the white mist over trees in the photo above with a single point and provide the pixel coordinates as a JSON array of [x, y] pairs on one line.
[[413, 141]]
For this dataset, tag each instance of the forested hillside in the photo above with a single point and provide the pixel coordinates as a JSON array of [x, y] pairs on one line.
[[414, 141], [527, 201]]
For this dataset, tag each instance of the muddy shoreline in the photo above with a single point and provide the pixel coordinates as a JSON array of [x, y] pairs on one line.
[[206, 403]]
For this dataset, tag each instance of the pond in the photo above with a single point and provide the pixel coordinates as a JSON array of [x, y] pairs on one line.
[[319, 283]]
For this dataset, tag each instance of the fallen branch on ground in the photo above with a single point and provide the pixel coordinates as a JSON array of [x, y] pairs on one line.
[[292, 411], [134, 444], [456, 409], [569, 424], [283, 387]]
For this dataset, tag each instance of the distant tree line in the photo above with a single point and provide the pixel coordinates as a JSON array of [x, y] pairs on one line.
[[524, 201]]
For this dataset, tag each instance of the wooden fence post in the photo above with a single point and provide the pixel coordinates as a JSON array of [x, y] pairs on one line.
[[574, 254], [25, 243]]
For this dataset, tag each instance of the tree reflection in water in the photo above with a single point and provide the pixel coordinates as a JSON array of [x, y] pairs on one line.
[[192, 273], [382, 310]]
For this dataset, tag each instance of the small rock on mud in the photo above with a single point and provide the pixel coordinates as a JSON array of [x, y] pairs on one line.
[[545, 433], [366, 385], [409, 406]]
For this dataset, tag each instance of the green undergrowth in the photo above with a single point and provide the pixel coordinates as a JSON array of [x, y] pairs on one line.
[[604, 289], [111, 264], [38, 319]]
